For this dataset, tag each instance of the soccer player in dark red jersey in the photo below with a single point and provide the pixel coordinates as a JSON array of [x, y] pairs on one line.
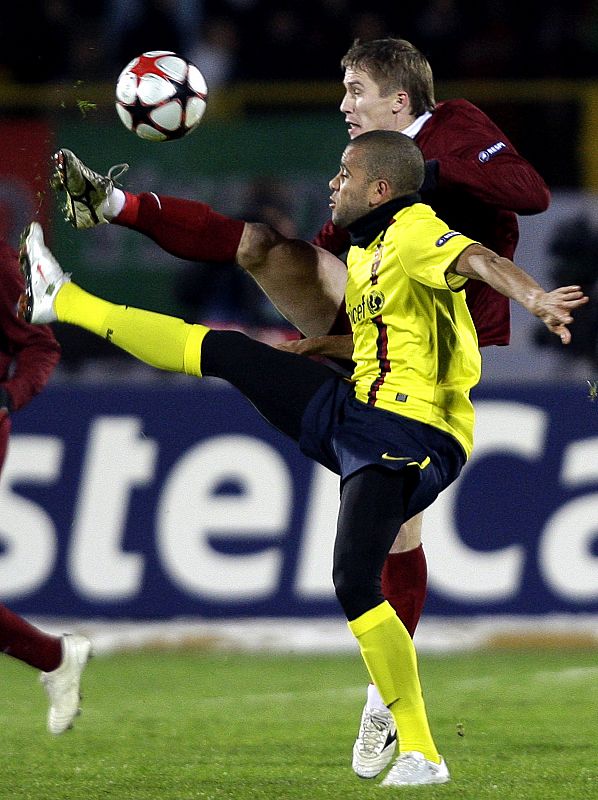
[[475, 180], [28, 355]]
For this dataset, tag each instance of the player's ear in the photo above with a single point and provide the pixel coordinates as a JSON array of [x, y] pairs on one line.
[[380, 192], [400, 101]]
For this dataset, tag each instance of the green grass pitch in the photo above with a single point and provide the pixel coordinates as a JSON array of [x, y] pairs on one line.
[[192, 724]]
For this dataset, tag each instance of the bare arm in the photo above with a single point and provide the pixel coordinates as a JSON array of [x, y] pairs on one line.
[[553, 308], [329, 346]]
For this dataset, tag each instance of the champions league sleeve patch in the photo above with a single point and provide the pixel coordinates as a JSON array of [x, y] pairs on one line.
[[490, 152], [446, 236]]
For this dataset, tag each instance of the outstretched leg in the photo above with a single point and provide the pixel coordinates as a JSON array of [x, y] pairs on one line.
[[304, 282], [171, 344]]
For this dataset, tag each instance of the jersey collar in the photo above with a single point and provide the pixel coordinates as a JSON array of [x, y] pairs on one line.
[[365, 229], [418, 123]]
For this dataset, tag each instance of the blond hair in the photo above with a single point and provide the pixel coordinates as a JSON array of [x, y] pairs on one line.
[[395, 64]]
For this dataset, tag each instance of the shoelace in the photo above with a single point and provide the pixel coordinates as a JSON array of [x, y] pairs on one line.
[[115, 172], [374, 731]]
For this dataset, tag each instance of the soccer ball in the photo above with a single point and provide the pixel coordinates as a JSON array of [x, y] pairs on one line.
[[161, 96]]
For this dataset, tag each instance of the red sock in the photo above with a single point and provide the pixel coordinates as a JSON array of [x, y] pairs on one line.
[[21, 640], [404, 582], [186, 228]]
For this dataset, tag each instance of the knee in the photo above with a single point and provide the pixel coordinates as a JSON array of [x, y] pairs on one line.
[[257, 241], [409, 536]]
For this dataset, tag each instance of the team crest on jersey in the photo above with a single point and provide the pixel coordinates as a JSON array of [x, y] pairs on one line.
[[375, 301], [376, 264], [490, 152], [446, 236]]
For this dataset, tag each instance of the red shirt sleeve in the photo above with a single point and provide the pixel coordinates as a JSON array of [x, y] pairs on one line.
[[332, 238], [482, 184], [28, 353], [475, 156]]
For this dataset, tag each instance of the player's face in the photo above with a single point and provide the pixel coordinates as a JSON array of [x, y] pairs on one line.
[[364, 109], [349, 198]]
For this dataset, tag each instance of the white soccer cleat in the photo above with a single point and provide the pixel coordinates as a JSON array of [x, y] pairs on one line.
[[43, 277], [414, 769], [62, 684], [85, 189], [375, 744]]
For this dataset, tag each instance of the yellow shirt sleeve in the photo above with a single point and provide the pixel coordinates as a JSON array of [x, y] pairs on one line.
[[427, 248]]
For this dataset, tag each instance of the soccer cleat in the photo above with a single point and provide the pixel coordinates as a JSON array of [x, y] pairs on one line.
[[375, 744], [414, 769], [62, 684], [85, 189], [43, 277]]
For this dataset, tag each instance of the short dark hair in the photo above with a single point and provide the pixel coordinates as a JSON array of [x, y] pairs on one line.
[[393, 156], [395, 64]]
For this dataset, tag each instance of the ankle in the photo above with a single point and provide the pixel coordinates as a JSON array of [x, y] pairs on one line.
[[121, 207]]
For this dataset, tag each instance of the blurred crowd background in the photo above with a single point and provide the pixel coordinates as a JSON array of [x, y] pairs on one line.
[[550, 48], [283, 40]]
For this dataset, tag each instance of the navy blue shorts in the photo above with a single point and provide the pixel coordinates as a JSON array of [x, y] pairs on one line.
[[346, 435]]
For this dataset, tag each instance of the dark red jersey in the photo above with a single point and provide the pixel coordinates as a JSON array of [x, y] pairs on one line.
[[28, 353], [481, 184]]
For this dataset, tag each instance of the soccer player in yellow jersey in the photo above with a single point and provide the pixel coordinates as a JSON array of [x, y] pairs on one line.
[[399, 432], [413, 355]]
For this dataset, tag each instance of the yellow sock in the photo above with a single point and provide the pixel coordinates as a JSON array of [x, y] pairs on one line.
[[164, 342], [389, 655]]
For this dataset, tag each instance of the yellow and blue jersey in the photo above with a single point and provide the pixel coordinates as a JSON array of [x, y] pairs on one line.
[[414, 343]]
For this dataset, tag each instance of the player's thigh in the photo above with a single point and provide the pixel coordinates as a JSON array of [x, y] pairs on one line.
[[304, 282], [409, 536]]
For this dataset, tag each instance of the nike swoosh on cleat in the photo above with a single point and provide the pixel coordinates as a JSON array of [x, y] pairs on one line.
[[392, 737]]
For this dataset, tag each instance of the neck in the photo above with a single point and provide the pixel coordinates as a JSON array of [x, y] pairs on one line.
[[367, 228], [404, 121]]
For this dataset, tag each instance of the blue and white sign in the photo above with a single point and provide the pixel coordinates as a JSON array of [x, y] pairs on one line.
[[179, 500]]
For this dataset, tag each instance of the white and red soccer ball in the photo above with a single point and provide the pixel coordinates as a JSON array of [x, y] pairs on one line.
[[161, 96]]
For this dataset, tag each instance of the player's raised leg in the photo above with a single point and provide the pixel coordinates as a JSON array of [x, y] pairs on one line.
[[304, 282], [50, 296], [87, 193], [171, 344]]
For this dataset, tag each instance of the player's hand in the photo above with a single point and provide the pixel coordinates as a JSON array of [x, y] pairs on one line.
[[555, 309], [329, 346]]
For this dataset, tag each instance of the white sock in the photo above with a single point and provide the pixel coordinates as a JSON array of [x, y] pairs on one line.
[[374, 699], [114, 203]]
